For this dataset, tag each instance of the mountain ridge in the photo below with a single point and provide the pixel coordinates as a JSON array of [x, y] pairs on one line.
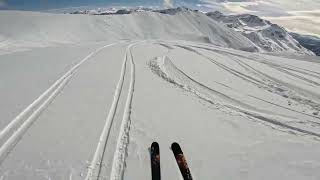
[[241, 32], [266, 36]]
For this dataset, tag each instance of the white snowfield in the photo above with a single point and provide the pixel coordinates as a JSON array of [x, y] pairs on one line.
[[83, 97]]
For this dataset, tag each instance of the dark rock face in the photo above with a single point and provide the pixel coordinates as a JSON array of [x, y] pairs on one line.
[[266, 35], [310, 42], [173, 11]]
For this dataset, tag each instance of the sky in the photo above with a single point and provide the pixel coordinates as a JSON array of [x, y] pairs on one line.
[[55, 4], [301, 16]]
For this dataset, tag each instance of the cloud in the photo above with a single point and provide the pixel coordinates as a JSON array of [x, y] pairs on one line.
[[296, 15], [265, 6], [305, 22], [168, 3], [242, 6]]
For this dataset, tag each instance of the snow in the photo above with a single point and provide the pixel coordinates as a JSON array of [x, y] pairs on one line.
[[45, 30], [265, 35], [85, 96]]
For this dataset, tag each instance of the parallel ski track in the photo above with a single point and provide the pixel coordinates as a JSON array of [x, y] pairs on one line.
[[15, 130], [120, 154]]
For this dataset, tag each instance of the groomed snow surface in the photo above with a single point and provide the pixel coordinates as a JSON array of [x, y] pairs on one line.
[[90, 108]]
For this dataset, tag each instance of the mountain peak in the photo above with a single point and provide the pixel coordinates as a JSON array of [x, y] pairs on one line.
[[173, 11], [267, 36]]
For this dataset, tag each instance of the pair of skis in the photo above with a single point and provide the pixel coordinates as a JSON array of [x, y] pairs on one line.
[[178, 154]]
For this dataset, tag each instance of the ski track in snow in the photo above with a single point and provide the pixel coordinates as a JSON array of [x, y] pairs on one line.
[[119, 164], [208, 83], [165, 69], [17, 135], [100, 150], [277, 86], [120, 154], [14, 131]]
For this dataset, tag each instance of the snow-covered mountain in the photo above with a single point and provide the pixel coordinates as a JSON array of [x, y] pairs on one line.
[[111, 11], [267, 36], [45, 29], [129, 10], [82, 97]]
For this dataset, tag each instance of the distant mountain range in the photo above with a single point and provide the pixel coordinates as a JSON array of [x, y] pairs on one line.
[[266, 36]]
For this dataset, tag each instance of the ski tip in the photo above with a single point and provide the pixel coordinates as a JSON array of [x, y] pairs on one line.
[[176, 148], [155, 144], [154, 148]]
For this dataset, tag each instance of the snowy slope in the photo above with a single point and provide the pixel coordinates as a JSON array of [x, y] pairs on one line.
[[32, 29], [23, 30], [88, 106], [269, 37]]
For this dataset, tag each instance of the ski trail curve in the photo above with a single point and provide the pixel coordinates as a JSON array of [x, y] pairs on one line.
[[164, 68], [119, 164], [298, 94], [19, 118], [17, 135]]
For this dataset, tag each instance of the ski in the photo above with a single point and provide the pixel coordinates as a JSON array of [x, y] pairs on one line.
[[155, 161], [181, 161]]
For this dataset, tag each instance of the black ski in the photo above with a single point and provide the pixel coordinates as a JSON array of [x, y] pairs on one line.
[[181, 161], [155, 161]]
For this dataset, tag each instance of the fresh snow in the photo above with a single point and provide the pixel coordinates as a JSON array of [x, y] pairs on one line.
[[265, 35], [83, 97]]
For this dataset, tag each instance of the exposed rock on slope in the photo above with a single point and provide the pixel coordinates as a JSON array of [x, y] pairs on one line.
[[267, 36], [310, 42], [259, 34]]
